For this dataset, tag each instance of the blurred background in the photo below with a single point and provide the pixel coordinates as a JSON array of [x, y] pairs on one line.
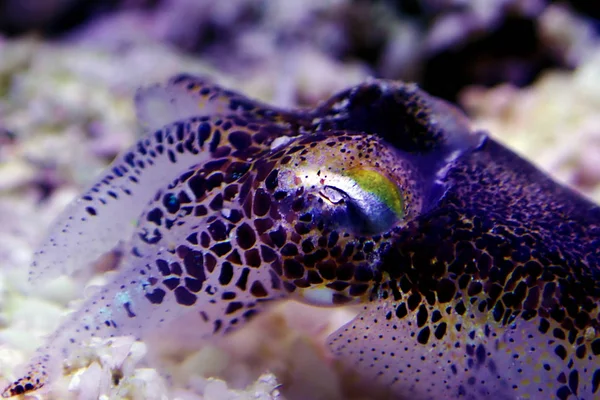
[[526, 70]]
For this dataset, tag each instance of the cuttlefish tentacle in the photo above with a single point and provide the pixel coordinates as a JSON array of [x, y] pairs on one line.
[[195, 248], [479, 273], [211, 122]]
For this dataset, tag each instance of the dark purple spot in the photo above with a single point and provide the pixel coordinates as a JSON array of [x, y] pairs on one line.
[[413, 301], [358, 289], [247, 206], [204, 239], [333, 238], [214, 181], [233, 307], [245, 236], [243, 280], [440, 331], [228, 295], [480, 354], [240, 140], [563, 393], [268, 254], [278, 237], [262, 203], [171, 155], [218, 230], [198, 186], [200, 211], [236, 170], [194, 285], [127, 307], [171, 283], [234, 257], [596, 381], [293, 269], [363, 273], [252, 258], [155, 215], [272, 181], [421, 316], [220, 249], [171, 203], [327, 269], [210, 262], [192, 238], [226, 273], [163, 267], [289, 250], [214, 143], [308, 246], [345, 271], [234, 216], [218, 325], [230, 192], [574, 381], [212, 166], [150, 238], [184, 297], [445, 290], [204, 130], [176, 268], [258, 290], [156, 297], [423, 336], [217, 202], [194, 265], [338, 286], [560, 351], [262, 225], [313, 277]]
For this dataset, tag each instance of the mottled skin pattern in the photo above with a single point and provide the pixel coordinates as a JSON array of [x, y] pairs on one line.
[[478, 273]]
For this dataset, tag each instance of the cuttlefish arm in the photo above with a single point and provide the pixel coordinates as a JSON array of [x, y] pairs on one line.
[[187, 121], [174, 197]]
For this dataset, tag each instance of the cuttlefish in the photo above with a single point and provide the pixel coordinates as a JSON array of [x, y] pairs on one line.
[[477, 272]]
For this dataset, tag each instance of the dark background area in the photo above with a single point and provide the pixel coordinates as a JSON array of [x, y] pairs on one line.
[[507, 47]]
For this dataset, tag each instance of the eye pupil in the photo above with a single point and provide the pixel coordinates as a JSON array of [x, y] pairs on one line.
[[334, 195]]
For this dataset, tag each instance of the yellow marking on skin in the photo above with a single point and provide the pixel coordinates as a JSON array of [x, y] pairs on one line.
[[590, 334], [379, 185]]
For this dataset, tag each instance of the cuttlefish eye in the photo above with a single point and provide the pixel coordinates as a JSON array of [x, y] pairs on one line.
[[368, 201], [359, 186], [338, 198]]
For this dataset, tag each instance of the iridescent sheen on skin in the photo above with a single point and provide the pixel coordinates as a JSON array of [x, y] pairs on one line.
[[478, 273]]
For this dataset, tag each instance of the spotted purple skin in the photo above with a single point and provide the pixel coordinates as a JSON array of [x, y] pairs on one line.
[[479, 274]]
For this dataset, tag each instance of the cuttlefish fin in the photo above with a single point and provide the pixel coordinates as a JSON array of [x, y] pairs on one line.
[[390, 346]]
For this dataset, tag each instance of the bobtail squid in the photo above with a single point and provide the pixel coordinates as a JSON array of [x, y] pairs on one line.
[[478, 273]]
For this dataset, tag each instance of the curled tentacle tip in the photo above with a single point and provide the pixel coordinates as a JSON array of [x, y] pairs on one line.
[[24, 385]]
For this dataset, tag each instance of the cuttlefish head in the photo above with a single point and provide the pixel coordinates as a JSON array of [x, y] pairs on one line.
[[338, 196]]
